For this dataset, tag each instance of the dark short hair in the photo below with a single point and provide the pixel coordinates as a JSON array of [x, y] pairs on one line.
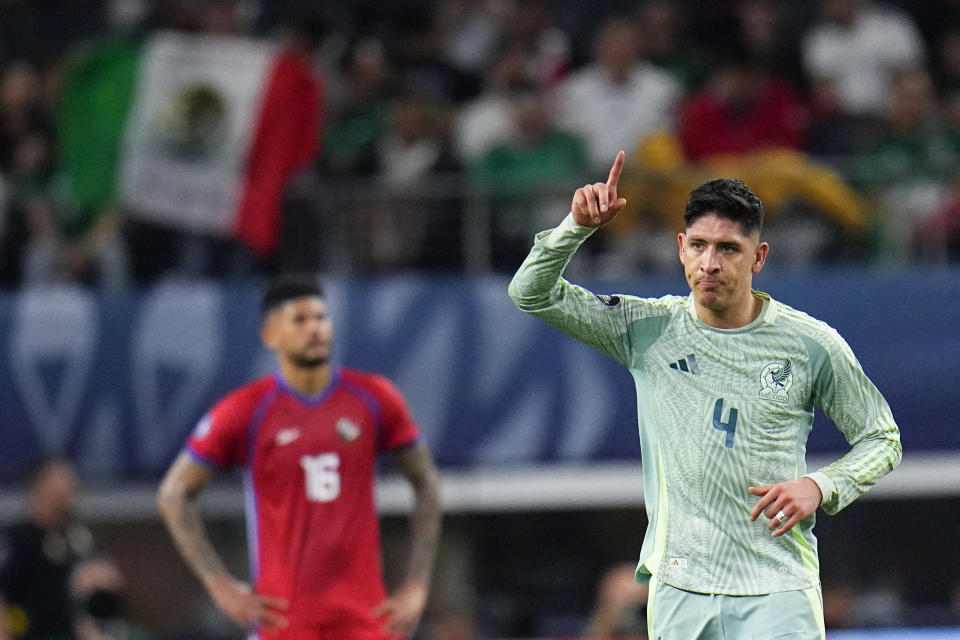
[[289, 287], [728, 198]]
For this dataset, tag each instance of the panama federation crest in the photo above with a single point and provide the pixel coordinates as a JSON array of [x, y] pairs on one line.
[[347, 429], [775, 381]]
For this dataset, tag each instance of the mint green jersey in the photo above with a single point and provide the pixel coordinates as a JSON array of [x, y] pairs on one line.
[[720, 410]]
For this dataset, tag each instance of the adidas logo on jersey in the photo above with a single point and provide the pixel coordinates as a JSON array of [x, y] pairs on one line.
[[686, 365]]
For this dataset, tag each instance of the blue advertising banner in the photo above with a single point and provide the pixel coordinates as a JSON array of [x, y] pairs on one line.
[[118, 380]]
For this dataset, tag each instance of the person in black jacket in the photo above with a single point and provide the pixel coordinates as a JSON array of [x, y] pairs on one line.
[[37, 555]]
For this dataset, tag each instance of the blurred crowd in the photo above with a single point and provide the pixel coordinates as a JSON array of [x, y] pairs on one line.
[[441, 135]]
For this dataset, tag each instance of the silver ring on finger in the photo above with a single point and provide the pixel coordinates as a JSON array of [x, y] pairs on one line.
[[781, 516]]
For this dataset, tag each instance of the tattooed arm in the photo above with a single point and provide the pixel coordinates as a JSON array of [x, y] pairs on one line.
[[176, 501], [404, 607]]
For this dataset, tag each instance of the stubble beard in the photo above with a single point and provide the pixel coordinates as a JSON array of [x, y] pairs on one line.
[[308, 362]]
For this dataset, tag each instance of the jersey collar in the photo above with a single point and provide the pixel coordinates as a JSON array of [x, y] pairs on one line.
[[768, 313], [313, 400]]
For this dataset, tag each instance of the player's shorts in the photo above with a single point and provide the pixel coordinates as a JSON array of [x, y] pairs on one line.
[[326, 633], [674, 614]]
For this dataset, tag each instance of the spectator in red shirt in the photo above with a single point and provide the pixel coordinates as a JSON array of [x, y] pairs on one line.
[[742, 108]]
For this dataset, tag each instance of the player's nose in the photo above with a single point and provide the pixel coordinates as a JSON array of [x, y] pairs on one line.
[[708, 261]]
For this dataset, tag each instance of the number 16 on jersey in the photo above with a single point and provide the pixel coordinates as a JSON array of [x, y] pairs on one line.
[[322, 473]]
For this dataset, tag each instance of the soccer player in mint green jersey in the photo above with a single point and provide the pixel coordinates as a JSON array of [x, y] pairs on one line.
[[727, 380]]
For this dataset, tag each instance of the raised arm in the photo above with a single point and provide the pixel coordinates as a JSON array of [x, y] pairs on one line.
[[538, 287], [404, 607], [176, 501], [593, 205], [596, 204]]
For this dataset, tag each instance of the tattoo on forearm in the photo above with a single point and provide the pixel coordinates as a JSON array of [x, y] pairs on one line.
[[419, 469]]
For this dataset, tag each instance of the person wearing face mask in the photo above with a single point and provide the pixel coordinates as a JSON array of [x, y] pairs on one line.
[[97, 589]]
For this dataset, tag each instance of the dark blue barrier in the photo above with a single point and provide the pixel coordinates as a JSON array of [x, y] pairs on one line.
[[118, 380]]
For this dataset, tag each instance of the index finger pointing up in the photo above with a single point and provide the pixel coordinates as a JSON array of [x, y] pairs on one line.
[[615, 170]]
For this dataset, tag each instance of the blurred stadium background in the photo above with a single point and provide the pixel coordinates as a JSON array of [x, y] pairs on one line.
[[160, 159]]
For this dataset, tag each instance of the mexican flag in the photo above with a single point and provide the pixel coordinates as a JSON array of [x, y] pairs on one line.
[[195, 132]]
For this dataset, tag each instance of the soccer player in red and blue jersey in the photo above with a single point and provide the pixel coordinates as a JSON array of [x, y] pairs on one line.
[[307, 439]]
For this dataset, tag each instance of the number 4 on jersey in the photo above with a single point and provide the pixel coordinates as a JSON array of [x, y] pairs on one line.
[[730, 426], [322, 473]]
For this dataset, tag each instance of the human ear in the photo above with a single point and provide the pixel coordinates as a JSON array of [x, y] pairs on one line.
[[760, 257], [268, 332]]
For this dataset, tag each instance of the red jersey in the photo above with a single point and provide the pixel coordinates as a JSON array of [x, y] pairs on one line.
[[310, 469]]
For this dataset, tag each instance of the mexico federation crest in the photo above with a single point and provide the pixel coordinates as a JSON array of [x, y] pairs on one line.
[[775, 381], [347, 430]]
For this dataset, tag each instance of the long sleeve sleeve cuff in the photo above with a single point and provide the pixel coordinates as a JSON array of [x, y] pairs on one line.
[[566, 235], [828, 489]]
